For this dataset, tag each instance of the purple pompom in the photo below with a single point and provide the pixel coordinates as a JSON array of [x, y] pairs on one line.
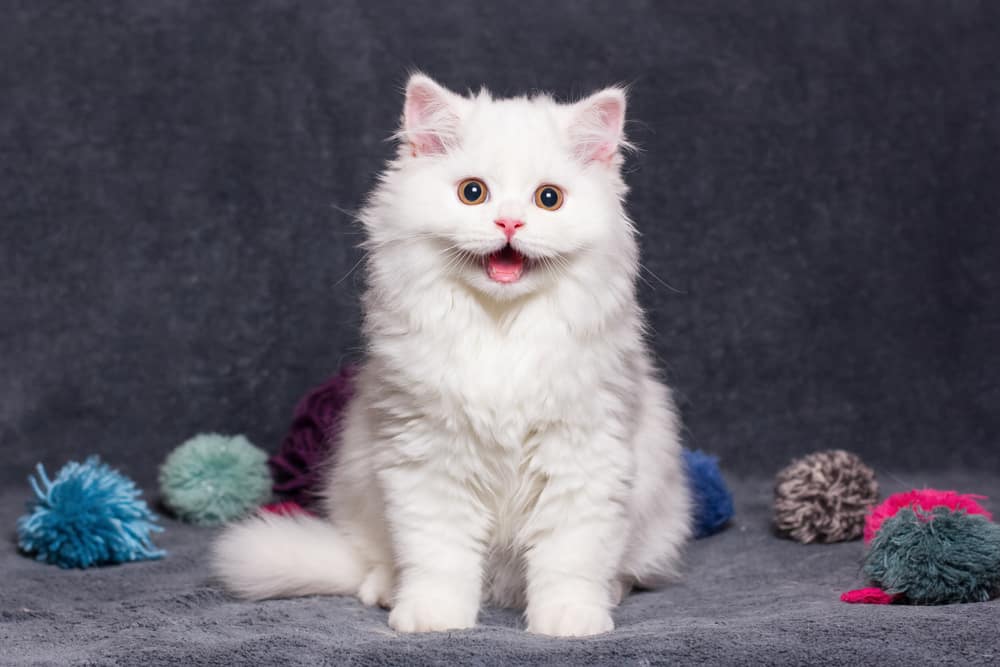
[[310, 440]]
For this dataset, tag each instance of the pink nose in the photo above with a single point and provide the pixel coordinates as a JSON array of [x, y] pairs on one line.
[[509, 227]]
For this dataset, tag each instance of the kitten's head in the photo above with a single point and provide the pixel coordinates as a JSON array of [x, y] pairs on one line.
[[508, 197]]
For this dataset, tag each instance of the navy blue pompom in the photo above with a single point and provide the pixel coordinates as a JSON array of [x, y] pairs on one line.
[[90, 515], [713, 503]]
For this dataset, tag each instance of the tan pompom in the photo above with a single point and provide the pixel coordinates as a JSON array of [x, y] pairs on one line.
[[823, 497]]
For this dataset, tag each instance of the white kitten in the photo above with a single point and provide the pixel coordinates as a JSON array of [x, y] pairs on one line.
[[509, 438]]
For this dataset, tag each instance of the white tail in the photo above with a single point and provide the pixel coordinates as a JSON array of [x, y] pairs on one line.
[[272, 556]]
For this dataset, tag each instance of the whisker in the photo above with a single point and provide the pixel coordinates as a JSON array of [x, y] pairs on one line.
[[351, 270], [660, 280], [457, 259], [353, 215], [643, 279]]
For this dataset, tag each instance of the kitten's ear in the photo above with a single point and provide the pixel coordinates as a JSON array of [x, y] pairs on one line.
[[430, 116], [597, 128]]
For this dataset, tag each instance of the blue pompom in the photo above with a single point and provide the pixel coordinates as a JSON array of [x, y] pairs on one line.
[[90, 515], [713, 503]]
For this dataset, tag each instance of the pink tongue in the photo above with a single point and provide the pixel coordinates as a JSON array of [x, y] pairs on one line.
[[505, 266]]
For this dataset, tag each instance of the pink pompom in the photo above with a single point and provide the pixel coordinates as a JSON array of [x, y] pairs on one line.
[[285, 508], [925, 499], [868, 596]]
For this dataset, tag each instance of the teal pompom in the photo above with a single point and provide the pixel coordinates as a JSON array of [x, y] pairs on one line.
[[936, 557], [212, 478], [89, 515]]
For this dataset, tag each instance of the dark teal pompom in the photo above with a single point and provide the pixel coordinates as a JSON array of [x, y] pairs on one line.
[[89, 515], [937, 557]]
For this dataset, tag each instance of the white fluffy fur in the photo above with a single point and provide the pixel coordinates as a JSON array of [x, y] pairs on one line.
[[508, 441]]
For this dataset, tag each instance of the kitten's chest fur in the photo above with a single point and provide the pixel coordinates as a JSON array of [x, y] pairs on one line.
[[496, 380], [495, 396]]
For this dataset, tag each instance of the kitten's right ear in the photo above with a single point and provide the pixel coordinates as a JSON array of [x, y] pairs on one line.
[[597, 129], [430, 116]]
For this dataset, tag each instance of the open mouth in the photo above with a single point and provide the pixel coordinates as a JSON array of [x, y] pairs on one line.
[[505, 265]]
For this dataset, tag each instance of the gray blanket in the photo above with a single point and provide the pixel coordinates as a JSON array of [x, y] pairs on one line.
[[817, 181], [747, 598]]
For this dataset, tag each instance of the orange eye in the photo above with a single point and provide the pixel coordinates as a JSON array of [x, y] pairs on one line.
[[472, 191], [548, 197]]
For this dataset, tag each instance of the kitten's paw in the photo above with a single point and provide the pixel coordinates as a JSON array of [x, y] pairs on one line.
[[569, 620], [376, 589], [619, 591], [431, 615]]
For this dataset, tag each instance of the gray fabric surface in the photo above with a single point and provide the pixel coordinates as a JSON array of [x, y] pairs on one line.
[[747, 598], [817, 180]]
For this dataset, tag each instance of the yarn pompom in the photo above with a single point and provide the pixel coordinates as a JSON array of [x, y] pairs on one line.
[[286, 508], [925, 499], [311, 439], [90, 514], [868, 596], [937, 556], [212, 478], [824, 497], [713, 503], [930, 547]]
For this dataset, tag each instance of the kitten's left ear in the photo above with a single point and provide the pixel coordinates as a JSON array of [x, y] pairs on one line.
[[597, 128]]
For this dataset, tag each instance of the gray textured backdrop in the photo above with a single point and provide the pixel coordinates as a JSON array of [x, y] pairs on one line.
[[818, 181]]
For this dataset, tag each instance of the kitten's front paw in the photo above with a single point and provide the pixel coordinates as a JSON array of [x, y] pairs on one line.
[[431, 615], [376, 589], [569, 620]]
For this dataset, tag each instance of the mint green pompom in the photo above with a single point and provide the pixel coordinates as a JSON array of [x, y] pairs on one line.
[[212, 478]]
